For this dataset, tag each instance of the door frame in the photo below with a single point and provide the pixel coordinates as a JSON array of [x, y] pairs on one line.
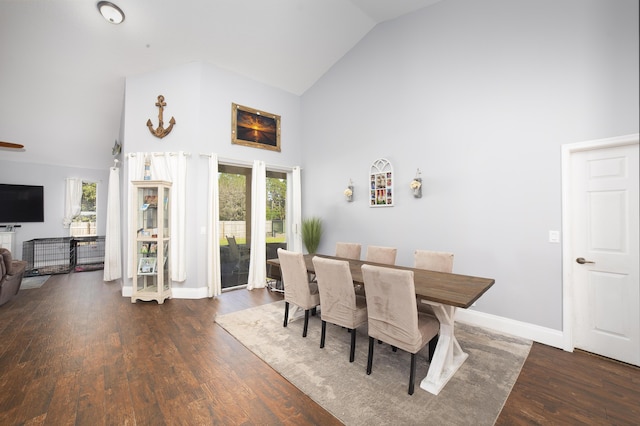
[[567, 260]]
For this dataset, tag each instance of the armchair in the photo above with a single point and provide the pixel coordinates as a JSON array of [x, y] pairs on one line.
[[11, 272]]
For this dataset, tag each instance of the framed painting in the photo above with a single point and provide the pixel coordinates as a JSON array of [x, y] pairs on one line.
[[255, 128]]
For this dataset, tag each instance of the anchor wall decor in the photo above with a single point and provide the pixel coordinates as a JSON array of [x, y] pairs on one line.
[[161, 132]]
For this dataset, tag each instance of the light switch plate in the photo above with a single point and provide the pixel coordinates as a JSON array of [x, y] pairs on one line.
[[554, 236]]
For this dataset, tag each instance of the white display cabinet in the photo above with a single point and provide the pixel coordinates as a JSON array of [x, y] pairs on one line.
[[151, 241]]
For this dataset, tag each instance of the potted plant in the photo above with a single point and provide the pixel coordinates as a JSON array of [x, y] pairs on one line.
[[311, 233]]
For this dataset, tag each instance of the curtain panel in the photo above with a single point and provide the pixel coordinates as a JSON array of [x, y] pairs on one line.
[[112, 240], [258, 260]]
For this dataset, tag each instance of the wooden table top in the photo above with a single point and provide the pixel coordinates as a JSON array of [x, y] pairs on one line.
[[449, 289]]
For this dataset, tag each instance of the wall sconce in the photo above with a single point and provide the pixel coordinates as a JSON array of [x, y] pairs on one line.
[[111, 12], [348, 193], [416, 185]]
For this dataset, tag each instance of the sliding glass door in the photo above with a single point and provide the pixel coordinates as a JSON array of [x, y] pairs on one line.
[[235, 200]]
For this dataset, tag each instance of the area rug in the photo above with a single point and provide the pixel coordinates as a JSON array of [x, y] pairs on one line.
[[474, 396], [33, 282]]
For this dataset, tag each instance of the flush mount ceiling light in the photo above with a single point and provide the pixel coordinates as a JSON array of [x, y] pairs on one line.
[[111, 12]]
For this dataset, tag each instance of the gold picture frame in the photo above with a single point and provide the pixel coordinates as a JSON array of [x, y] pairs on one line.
[[255, 128]]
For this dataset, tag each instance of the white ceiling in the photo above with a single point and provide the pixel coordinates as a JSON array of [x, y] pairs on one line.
[[61, 62]]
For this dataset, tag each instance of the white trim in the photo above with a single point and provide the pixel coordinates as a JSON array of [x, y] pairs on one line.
[[567, 261], [544, 335], [521, 329], [176, 292]]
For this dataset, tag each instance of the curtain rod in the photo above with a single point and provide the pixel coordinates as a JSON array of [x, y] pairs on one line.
[[159, 154], [246, 163]]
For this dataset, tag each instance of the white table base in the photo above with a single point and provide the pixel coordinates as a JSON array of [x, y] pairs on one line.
[[448, 356]]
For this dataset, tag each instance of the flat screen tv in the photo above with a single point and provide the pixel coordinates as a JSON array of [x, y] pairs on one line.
[[21, 203]]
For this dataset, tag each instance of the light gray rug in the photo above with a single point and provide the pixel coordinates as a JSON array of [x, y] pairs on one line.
[[34, 282], [474, 396]]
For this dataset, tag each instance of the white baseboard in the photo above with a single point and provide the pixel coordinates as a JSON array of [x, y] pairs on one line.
[[544, 335], [176, 292]]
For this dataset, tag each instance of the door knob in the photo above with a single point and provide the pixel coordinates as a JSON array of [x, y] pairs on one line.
[[582, 261]]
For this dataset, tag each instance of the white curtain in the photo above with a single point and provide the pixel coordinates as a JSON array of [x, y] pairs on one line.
[[73, 198], [135, 171], [214, 283], [258, 262], [177, 164], [171, 167], [112, 256], [296, 211]]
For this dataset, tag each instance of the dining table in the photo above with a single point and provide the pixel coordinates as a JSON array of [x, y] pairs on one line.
[[444, 292]]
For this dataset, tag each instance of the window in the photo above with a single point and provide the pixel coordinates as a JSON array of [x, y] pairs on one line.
[[85, 223]]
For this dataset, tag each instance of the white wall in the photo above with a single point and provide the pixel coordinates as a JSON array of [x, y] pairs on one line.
[[199, 97], [480, 96]]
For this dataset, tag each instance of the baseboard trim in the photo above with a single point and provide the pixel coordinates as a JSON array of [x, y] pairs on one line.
[[544, 335], [176, 292]]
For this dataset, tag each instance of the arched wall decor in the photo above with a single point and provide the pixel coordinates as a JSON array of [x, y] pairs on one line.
[[381, 184]]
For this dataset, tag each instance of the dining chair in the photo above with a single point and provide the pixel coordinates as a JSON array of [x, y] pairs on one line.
[[297, 288], [379, 254], [239, 255], [348, 250], [439, 261], [393, 316], [340, 304]]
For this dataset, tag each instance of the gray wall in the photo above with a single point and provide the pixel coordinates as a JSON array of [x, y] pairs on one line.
[[480, 96], [52, 177]]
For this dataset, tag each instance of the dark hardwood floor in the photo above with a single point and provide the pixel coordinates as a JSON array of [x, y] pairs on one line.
[[75, 352]]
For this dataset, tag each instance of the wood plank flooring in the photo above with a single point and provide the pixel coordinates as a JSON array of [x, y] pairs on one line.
[[75, 352]]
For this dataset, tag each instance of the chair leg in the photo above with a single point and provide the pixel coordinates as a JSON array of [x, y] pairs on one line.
[[322, 334], [286, 314], [432, 346], [412, 374], [370, 355], [306, 322], [352, 354]]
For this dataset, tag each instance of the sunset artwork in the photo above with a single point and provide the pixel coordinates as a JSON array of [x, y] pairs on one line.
[[251, 127]]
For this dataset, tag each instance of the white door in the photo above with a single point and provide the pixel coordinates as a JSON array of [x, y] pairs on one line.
[[604, 251]]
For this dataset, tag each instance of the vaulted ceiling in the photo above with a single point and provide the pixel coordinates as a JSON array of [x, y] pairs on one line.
[[63, 67]]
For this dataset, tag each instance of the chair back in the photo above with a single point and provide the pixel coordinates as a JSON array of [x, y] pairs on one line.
[[348, 250], [337, 294], [438, 261], [391, 307], [378, 254], [233, 248], [297, 288]]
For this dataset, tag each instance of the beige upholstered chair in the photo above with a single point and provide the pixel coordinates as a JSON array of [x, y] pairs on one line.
[[297, 288], [340, 305], [439, 261], [348, 250], [380, 254], [393, 315]]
